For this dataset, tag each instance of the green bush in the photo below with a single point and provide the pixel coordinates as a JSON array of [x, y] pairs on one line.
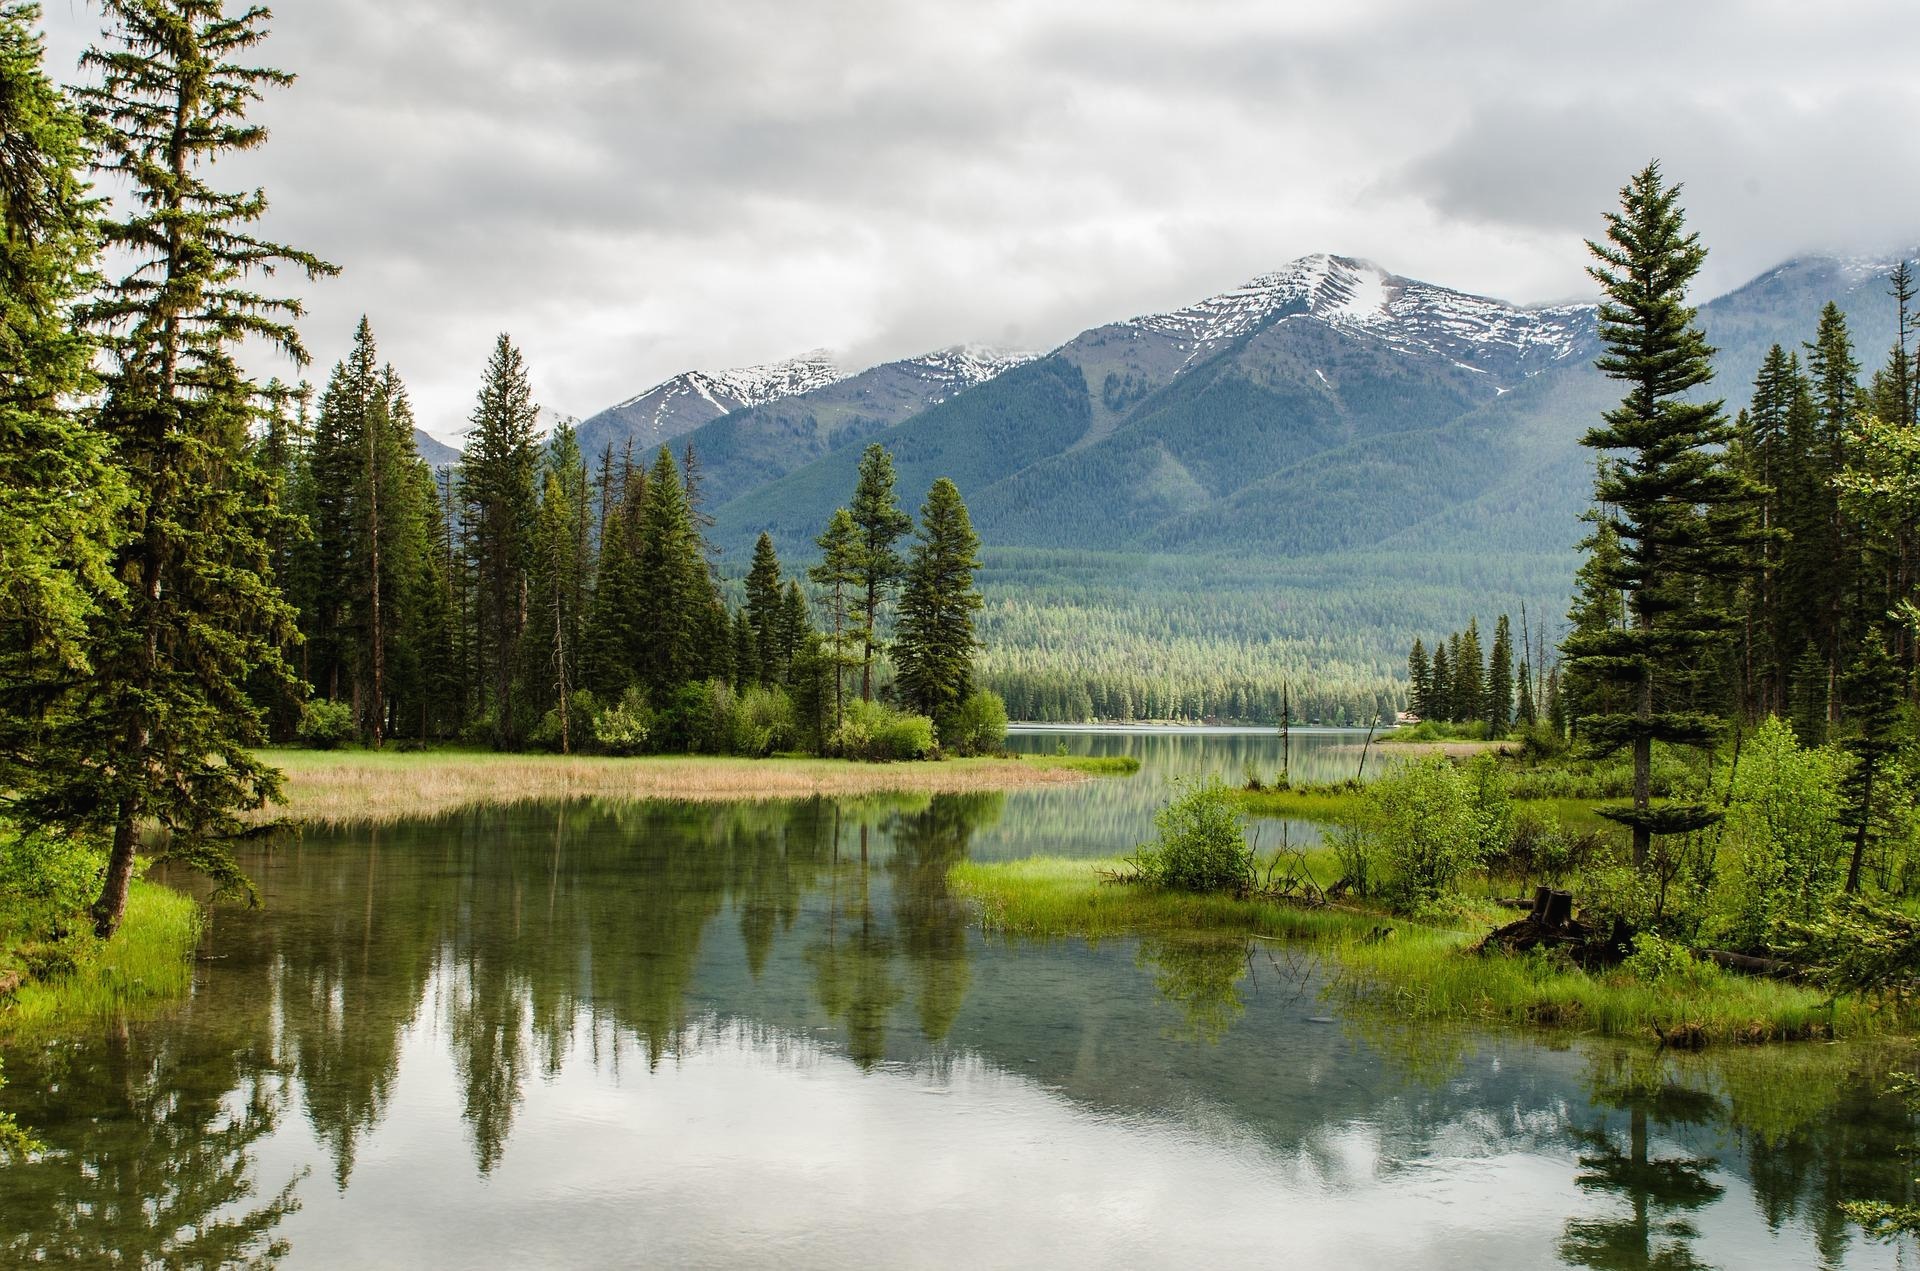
[[581, 711], [1201, 845], [324, 725], [1417, 830], [978, 725], [878, 733], [1656, 960], [45, 880], [626, 727], [762, 722], [1783, 829]]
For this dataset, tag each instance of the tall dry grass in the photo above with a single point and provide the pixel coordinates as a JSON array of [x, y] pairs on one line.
[[339, 787]]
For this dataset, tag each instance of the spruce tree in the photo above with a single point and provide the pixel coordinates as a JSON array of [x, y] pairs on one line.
[[675, 589], [878, 566], [1419, 680], [1499, 707], [764, 610], [497, 475], [1469, 676], [1668, 494], [838, 574], [60, 492], [1441, 697], [200, 613], [796, 627], [1875, 688], [1834, 375], [935, 646]]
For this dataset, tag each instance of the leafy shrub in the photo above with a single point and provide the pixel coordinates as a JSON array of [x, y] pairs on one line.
[[878, 733], [1858, 947], [625, 727], [324, 725], [1415, 832], [706, 713], [978, 726], [1201, 845], [581, 710], [762, 722], [1783, 827], [45, 879], [1656, 960]]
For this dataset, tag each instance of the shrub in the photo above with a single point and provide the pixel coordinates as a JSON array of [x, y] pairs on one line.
[[1201, 846], [1784, 828], [45, 880], [581, 711], [878, 733], [762, 722], [1656, 960], [1416, 831], [324, 725], [978, 726], [706, 715], [625, 727]]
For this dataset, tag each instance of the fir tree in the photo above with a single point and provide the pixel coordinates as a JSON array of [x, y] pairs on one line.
[[1469, 676], [1808, 698], [1441, 696], [200, 614], [796, 627], [838, 574], [497, 487], [60, 493], [1834, 375], [1499, 707], [1419, 681], [675, 590], [1668, 494], [878, 566], [764, 610], [1874, 690], [935, 647]]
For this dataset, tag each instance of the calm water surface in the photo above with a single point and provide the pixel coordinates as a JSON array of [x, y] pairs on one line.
[[600, 1035]]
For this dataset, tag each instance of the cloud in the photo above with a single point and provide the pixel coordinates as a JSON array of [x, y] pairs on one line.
[[631, 190]]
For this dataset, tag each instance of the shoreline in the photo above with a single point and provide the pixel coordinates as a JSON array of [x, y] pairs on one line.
[[339, 787]]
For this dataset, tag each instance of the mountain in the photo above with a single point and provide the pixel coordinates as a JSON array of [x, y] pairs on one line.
[[678, 406], [437, 453], [1331, 379]]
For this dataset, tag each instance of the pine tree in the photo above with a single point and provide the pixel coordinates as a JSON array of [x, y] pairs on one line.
[[1835, 378], [675, 590], [1527, 711], [1875, 688], [1808, 698], [764, 610], [796, 627], [1499, 707], [878, 566], [497, 488], [1469, 676], [1419, 681], [838, 573], [1666, 494], [615, 621], [200, 614], [557, 617], [935, 647], [60, 492], [1763, 448], [747, 661], [1441, 697]]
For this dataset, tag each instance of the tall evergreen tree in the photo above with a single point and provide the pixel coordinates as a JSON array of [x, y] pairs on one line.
[[1469, 676], [60, 492], [1440, 698], [200, 614], [498, 491], [878, 566], [935, 647], [1419, 681], [838, 574], [1835, 378], [1875, 688], [558, 587], [675, 590], [1669, 494], [764, 610], [1499, 707]]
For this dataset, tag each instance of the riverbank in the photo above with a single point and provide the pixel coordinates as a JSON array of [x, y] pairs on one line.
[[330, 787], [83, 980], [1415, 970]]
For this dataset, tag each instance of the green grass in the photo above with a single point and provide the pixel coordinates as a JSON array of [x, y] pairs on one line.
[[1413, 970], [1305, 803], [149, 960], [1098, 765]]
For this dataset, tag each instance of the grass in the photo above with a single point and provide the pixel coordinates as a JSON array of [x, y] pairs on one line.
[[1305, 803], [1412, 970], [1094, 765], [342, 786], [149, 960]]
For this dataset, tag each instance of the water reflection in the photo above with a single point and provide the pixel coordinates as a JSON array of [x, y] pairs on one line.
[[540, 1034]]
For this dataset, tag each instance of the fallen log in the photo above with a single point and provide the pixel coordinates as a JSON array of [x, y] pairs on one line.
[[1749, 964]]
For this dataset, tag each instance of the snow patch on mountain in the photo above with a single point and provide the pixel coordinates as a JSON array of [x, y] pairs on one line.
[[1354, 294], [954, 370]]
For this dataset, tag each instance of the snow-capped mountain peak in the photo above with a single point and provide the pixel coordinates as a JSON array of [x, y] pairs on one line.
[[1355, 294]]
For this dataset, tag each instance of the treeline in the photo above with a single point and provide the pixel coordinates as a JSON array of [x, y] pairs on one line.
[[524, 600], [1455, 686]]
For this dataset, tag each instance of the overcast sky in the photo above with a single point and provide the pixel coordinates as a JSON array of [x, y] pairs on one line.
[[634, 189]]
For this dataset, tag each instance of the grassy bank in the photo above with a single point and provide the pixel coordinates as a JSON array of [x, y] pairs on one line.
[[1413, 970], [338, 786], [149, 960], [1093, 765]]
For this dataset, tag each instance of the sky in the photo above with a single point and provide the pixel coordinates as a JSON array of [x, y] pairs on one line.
[[636, 189]]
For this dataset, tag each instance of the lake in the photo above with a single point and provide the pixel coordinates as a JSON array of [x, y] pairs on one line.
[[599, 1034]]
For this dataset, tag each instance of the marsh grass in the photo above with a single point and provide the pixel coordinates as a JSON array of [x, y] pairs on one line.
[[1413, 970], [1095, 765], [337, 787], [148, 961]]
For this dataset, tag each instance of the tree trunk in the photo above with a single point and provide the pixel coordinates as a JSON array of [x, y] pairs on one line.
[[112, 905]]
